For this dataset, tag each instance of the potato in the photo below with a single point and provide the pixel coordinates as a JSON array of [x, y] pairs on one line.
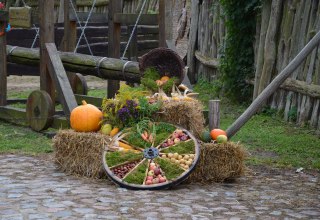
[[170, 155], [186, 157], [176, 155], [164, 156], [180, 157]]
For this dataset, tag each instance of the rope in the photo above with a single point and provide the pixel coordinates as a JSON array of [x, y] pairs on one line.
[[124, 68], [134, 29], [10, 52], [83, 28], [99, 64], [37, 35]]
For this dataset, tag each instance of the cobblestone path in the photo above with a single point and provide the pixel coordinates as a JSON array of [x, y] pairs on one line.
[[33, 188]]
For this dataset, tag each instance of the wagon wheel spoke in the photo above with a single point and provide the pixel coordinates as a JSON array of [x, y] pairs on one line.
[[154, 167]]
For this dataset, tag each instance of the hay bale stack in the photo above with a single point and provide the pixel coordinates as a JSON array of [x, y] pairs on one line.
[[187, 114], [219, 162], [80, 153]]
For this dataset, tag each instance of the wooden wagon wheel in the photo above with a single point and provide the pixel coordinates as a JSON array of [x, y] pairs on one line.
[[40, 110], [161, 164], [78, 83]]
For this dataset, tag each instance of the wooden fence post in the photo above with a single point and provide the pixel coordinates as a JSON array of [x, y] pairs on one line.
[[3, 60], [115, 6], [165, 21], [214, 114], [46, 17], [70, 29]]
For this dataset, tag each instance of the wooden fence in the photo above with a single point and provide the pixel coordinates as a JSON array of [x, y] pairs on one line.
[[206, 38], [283, 28]]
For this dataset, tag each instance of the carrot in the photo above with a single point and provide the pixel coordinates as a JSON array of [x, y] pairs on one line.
[[146, 134], [144, 137], [150, 138], [125, 146]]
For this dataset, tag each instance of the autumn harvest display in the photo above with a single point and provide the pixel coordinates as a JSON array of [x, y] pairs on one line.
[[151, 137]]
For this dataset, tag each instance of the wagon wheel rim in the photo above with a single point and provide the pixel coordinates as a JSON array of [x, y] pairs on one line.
[[145, 162]]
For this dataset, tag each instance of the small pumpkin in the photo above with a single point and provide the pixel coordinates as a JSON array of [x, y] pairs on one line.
[[216, 132], [85, 118], [165, 78]]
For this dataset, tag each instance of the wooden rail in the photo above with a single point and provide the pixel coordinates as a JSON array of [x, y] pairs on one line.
[[110, 68]]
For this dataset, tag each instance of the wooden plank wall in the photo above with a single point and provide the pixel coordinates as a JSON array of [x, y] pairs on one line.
[[210, 29], [283, 29]]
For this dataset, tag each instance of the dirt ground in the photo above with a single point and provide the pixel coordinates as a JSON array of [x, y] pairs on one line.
[[26, 83]]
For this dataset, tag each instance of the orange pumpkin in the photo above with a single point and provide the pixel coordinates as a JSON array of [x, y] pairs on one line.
[[214, 133], [165, 78], [85, 118]]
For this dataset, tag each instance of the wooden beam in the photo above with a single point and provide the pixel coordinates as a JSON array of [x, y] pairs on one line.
[[89, 99], [115, 6], [162, 23], [57, 72], [46, 17], [133, 47], [298, 86], [110, 68], [13, 115], [274, 85], [3, 61], [130, 19], [94, 18], [214, 114], [192, 43], [70, 29], [207, 61]]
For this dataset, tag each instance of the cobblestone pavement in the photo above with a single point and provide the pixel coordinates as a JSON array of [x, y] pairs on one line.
[[33, 188]]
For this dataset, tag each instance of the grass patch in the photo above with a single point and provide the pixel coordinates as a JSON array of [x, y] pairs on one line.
[[116, 158], [269, 139], [15, 139], [163, 130], [171, 170], [137, 176], [184, 147]]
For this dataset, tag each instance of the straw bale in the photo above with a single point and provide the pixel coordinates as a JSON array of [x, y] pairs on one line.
[[219, 162], [187, 114], [80, 153]]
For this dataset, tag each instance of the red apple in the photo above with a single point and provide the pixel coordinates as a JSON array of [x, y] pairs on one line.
[[184, 137], [149, 182], [175, 135], [157, 171], [149, 177], [170, 142], [164, 145], [162, 180], [152, 167]]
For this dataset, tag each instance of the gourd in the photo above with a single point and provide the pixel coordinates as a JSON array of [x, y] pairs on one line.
[[85, 118], [216, 132]]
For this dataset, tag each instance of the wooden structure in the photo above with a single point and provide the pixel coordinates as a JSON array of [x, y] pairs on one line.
[[40, 112], [283, 29]]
